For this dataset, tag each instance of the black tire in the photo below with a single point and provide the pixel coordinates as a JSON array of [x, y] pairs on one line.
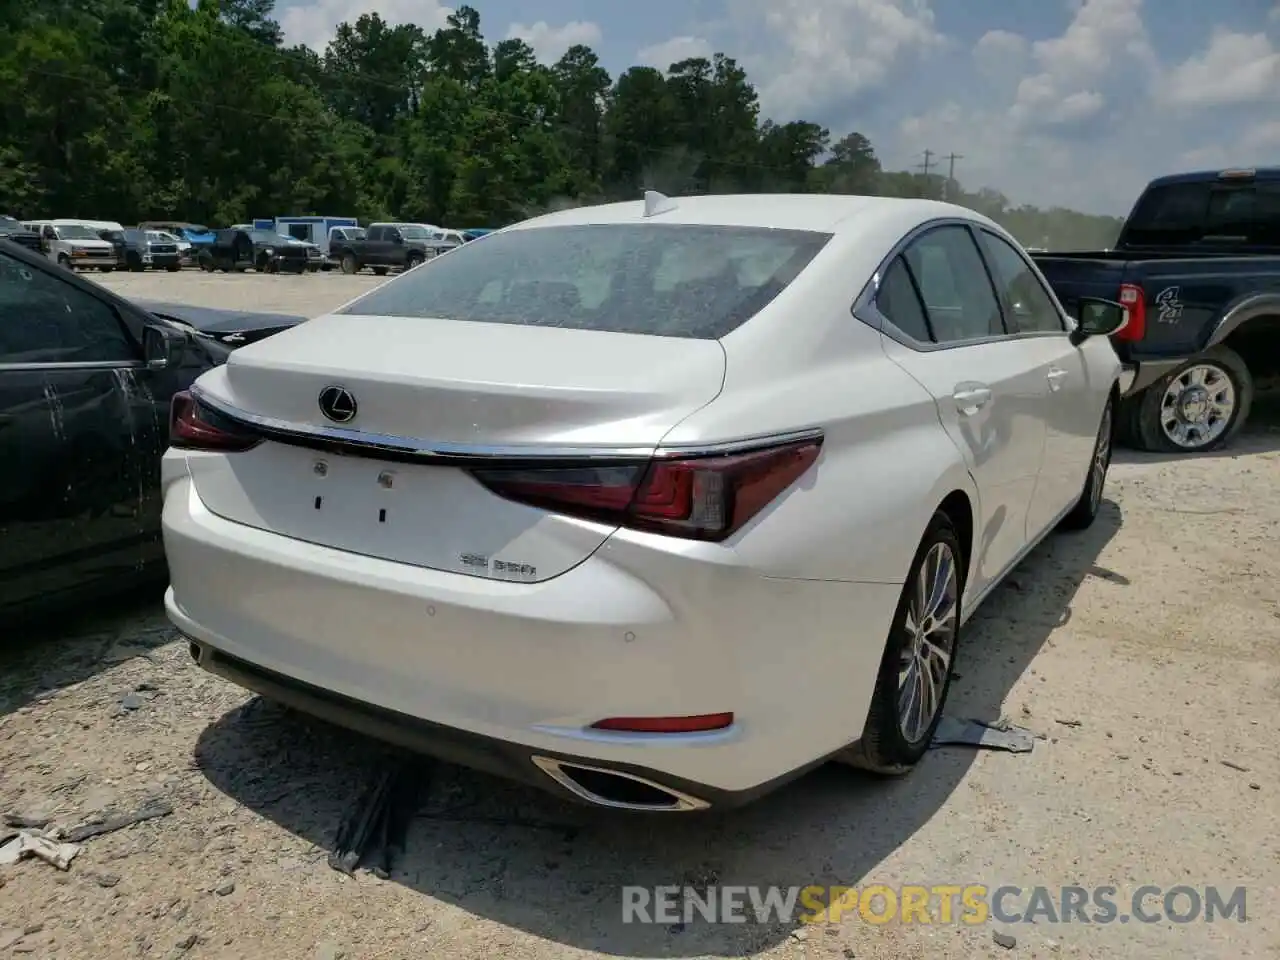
[[884, 747], [349, 264], [1150, 433], [413, 261], [380, 271], [1085, 511]]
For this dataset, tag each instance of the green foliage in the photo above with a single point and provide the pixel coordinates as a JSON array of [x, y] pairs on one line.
[[147, 109]]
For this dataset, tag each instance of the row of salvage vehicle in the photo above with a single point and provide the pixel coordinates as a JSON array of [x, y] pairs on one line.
[[282, 245]]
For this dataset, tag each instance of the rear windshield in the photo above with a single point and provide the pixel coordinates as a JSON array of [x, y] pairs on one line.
[[666, 280], [1246, 214]]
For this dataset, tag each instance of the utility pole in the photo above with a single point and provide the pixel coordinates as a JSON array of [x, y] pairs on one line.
[[928, 162], [951, 159]]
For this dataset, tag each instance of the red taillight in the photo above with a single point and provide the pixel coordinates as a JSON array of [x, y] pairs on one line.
[[192, 427], [699, 498], [700, 724], [1135, 301]]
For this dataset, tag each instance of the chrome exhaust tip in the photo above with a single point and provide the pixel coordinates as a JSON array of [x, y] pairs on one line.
[[620, 791]]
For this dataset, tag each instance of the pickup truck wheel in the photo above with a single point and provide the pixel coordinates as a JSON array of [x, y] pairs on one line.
[[1201, 406], [412, 261], [349, 264], [1085, 511], [917, 667]]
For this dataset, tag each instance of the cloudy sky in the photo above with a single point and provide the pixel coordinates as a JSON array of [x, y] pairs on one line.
[[1073, 102]]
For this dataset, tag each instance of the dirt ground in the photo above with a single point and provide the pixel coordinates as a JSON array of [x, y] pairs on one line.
[[1145, 652]]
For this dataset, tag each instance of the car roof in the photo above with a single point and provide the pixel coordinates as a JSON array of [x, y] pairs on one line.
[[823, 213], [1269, 174]]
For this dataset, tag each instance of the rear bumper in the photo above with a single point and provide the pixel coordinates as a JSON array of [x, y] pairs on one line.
[[502, 758], [490, 674]]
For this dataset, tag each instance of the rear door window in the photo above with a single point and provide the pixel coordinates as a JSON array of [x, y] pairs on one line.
[[673, 280], [953, 282]]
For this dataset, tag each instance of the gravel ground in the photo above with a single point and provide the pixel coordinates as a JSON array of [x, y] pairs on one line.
[[1144, 652]]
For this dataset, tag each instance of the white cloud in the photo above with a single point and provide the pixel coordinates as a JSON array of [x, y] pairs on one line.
[[1102, 35], [313, 24], [1234, 68], [664, 54], [1023, 135], [824, 52], [550, 43], [997, 50]]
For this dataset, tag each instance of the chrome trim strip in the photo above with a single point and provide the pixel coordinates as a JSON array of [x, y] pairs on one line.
[[415, 448], [681, 802]]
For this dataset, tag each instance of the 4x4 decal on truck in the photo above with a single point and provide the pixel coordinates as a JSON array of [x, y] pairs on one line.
[[1169, 305]]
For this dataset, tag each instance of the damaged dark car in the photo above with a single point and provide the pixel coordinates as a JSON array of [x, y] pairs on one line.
[[86, 379]]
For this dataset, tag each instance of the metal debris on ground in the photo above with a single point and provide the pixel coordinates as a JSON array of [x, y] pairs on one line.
[[377, 826], [988, 736], [148, 811], [1004, 940], [28, 843], [21, 821]]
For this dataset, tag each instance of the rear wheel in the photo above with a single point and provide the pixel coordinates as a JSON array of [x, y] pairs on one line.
[[349, 264], [915, 672], [1201, 406], [1085, 511], [413, 261]]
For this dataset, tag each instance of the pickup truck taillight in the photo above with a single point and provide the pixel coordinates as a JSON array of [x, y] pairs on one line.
[[1135, 301]]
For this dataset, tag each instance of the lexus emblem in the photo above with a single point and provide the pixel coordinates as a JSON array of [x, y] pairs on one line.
[[338, 404]]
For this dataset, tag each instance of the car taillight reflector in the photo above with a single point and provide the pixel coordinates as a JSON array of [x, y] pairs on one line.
[[698, 498], [195, 427], [1135, 302], [698, 724]]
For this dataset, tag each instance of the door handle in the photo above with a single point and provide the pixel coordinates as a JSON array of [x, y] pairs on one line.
[[1055, 377], [971, 397]]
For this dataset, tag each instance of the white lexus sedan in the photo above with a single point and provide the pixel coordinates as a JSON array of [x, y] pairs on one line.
[[655, 504]]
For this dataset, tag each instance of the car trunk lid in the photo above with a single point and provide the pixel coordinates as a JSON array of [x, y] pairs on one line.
[[487, 390]]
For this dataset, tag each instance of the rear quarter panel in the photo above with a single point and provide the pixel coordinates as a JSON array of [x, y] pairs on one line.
[[1186, 299], [886, 464]]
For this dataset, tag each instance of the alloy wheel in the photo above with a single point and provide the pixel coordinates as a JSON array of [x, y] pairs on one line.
[[929, 644], [1197, 406], [1101, 460]]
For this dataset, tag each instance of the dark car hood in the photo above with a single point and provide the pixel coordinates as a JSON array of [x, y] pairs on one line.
[[231, 327]]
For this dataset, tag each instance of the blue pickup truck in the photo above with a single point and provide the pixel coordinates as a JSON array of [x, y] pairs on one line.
[[1198, 265]]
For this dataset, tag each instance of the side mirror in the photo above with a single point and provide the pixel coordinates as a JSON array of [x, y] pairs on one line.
[[1098, 318], [162, 347]]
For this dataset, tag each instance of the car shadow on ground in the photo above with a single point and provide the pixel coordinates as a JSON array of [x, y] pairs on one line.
[[40, 657], [515, 856]]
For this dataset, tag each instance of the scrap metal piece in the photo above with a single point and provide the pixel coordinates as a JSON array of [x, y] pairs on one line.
[[975, 733], [148, 811], [29, 844], [378, 825]]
